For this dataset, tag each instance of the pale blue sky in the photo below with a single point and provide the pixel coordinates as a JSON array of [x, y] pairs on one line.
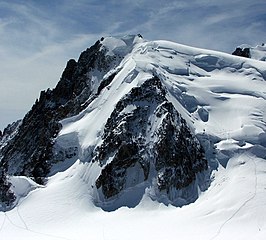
[[38, 37]]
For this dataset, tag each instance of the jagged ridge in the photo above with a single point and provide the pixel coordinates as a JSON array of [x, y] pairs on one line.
[[29, 153]]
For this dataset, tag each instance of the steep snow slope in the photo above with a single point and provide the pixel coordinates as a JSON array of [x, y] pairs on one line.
[[222, 98]]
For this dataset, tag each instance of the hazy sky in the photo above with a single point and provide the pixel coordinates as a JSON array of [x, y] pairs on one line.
[[37, 37]]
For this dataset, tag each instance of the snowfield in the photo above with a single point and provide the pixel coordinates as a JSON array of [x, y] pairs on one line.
[[223, 99]]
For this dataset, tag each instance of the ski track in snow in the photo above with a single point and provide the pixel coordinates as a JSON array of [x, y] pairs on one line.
[[2, 225], [243, 204], [22, 220], [26, 228]]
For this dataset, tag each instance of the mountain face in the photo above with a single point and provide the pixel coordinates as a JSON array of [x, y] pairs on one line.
[[144, 140], [134, 119], [29, 153], [147, 140]]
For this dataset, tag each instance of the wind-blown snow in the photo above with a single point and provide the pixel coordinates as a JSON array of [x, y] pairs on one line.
[[223, 99]]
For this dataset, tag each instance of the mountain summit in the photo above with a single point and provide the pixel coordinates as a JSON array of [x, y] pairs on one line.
[[127, 127], [133, 122]]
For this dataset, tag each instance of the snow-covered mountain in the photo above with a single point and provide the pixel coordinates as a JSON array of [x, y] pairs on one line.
[[139, 129]]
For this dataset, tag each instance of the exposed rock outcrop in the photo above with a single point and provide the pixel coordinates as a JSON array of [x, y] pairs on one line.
[[242, 52], [145, 130]]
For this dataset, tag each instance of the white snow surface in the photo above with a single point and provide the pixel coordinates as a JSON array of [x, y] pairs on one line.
[[223, 99]]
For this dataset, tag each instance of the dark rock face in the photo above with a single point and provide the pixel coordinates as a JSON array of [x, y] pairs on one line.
[[6, 195], [178, 154], [146, 130], [30, 151], [9, 132], [245, 52]]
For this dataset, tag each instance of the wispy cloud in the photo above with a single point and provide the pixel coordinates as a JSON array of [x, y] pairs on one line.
[[38, 37]]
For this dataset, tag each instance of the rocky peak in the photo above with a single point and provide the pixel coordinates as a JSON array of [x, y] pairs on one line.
[[29, 152], [143, 141]]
